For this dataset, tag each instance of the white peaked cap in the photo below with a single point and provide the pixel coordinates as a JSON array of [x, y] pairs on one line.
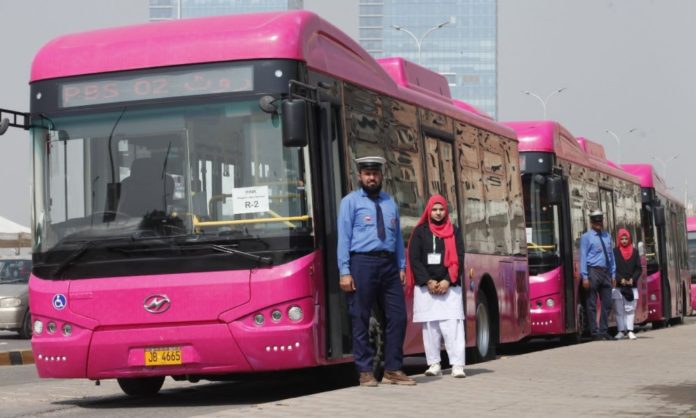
[[372, 161]]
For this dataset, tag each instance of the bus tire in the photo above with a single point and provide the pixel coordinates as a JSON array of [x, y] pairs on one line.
[[658, 324], [485, 330], [142, 387], [376, 335], [26, 329]]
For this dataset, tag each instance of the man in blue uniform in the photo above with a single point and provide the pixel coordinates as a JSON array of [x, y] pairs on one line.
[[372, 265], [598, 271]]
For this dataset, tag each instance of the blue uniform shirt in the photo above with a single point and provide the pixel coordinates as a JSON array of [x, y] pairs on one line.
[[592, 255], [357, 228]]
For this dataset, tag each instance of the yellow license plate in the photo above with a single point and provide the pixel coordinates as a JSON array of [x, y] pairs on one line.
[[164, 356]]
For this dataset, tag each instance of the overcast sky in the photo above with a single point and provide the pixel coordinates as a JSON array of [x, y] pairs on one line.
[[25, 26], [625, 63]]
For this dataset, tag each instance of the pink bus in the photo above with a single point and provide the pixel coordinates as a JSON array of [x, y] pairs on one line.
[[665, 247], [187, 176], [564, 179], [691, 228]]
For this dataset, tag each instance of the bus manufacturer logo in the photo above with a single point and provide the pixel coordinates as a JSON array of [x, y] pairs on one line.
[[157, 304]]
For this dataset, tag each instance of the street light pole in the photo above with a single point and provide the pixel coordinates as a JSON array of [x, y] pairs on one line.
[[618, 139], [664, 164], [546, 100], [419, 42]]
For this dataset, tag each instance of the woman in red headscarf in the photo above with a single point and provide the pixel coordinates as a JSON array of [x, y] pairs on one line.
[[625, 295], [435, 264]]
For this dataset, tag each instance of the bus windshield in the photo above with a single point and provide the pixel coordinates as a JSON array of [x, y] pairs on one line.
[[209, 171], [692, 255], [542, 226]]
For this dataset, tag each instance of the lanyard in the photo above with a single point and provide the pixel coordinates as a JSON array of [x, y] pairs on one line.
[[433, 243]]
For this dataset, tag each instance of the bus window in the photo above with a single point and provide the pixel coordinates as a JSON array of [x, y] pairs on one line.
[[542, 222], [692, 255]]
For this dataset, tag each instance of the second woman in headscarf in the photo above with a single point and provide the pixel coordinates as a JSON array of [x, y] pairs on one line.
[[625, 295], [436, 260]]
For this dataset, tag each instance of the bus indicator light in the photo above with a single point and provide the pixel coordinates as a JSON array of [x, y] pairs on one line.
[[295, 313]]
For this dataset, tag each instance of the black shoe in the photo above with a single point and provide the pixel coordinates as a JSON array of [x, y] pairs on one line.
[[598, 338], [608, 337]]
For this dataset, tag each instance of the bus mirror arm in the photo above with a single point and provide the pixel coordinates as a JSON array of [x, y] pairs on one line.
[[14, 119]]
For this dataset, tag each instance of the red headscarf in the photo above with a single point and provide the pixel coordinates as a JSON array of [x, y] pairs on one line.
[[627, 250], [444, 231]]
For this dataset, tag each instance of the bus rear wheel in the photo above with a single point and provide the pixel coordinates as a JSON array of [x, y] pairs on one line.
[[141, 386], [485, 330]]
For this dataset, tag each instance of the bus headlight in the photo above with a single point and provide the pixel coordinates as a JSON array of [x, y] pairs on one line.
[[259, 319], [67, 329], [38, 327], [550, 303], [10, 302], [295, 313], [276, 315], [51, 327]]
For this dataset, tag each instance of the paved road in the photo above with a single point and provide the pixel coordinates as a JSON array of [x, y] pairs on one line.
[[653, 376], [10, 341]]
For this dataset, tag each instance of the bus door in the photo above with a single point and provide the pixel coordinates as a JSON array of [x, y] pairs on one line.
[[664, 267], [441, 172], [568, 265], [674, 261], [441, 176], [328, 155]]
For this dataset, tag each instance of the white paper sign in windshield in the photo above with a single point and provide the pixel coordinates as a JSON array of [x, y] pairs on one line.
[[250, 199]]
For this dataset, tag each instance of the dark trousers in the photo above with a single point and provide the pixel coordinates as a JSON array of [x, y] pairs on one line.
[[377, 280], [600, 285]]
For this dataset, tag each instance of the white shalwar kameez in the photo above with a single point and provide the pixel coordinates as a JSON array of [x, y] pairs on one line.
[[442, 317], [625, 310]]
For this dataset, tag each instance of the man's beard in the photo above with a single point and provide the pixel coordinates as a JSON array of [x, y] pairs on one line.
[[372, 190]]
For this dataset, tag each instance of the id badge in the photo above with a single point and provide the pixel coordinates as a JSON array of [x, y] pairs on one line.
[[434, 258]]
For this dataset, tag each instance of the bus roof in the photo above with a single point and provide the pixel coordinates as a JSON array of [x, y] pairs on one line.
[[294, 35], [551, 136], [548, 136], [650, 179], [691, 223], [598, 157]]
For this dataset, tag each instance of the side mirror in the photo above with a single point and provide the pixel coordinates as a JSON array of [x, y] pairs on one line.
[[659, 214], [4, 124], [294, 115], [554, 189]]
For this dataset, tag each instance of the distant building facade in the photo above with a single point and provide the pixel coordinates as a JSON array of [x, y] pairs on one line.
[[464, 49]]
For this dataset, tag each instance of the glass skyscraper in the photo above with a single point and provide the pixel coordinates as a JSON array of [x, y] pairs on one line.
[[463, 48], [182, 9], [456, 38]]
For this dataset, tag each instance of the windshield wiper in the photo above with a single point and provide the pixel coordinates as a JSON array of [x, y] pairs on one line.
[[74, 256], [90, 244], [261, 259]]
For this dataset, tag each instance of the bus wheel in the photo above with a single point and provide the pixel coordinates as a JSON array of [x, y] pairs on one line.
[[376, 334], [25, 331], [485, 335], [658, 324], [141, 386]]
